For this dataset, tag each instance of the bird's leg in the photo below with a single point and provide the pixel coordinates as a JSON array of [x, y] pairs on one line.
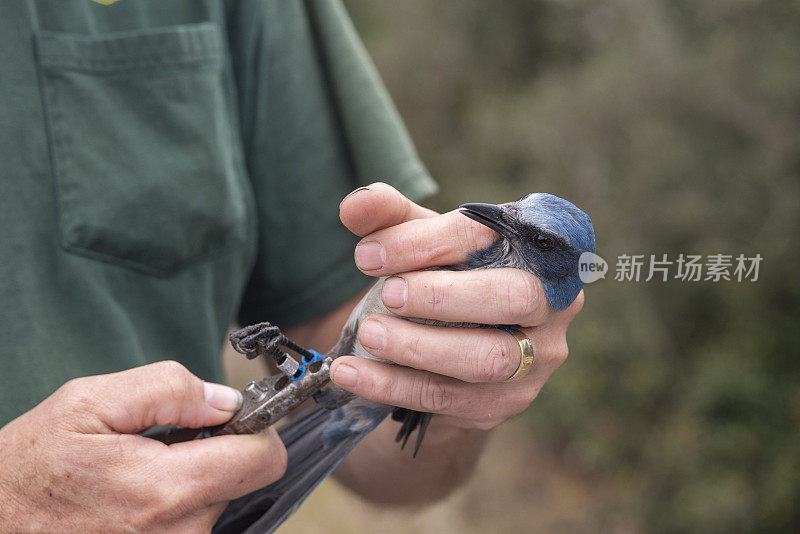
[[265, 338], [252, 340], [270, 399]]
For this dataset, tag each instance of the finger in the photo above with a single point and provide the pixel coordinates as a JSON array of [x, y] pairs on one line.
[[488, 296], [483, 405], [468, 354], [550, 351], [223, 468], [417, 244], [398, 386], [156, 394], [378, 206]]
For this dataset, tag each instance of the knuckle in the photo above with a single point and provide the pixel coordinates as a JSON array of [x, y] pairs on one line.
[[177, 503], [566, 316], [175, 382], [273, 464], [169, 368], [270, 457], [468, 233], [504, 299], [577, 304], [166, 500], [436, 294], [427, 246], [75, 396], [526, 397], [414, 355], [161, 503], [521, 401], [401, 204], [530, 297], [486, 423], [72, 388], [384, 388], [280, 461], [498, 408], [276, 457], [143, 519], [435, 253], [433, 396], [487, 416], [560, 353], [517, 297], [177, 378], [495, 362], [406, 242]]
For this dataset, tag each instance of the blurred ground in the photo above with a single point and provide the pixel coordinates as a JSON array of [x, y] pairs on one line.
[[516, 489]]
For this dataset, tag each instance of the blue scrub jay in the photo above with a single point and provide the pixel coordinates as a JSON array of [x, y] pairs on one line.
[[540, 233]]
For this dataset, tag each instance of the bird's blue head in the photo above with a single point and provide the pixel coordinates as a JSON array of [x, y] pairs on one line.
[[541, 233]]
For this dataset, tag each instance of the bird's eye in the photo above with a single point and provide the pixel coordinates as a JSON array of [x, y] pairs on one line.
[[543, 242]]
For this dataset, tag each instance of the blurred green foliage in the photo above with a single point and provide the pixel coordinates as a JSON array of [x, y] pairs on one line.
[[674, 124]]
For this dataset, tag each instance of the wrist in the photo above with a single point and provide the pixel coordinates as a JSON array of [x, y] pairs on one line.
[[448, 431]]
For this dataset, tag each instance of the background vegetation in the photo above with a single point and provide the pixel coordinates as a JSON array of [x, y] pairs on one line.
[[674, 124]]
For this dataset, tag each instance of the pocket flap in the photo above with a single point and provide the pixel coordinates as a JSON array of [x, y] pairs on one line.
[[176, 45]]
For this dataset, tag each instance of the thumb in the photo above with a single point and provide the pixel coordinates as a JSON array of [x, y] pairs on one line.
[[378, 206], [157, 394]]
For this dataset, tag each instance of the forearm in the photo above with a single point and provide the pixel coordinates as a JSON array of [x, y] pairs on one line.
[[379, 470]]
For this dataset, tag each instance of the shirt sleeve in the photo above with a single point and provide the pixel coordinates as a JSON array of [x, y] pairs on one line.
[[316, 123]]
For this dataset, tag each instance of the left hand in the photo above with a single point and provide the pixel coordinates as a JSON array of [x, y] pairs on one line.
[[459, 373]]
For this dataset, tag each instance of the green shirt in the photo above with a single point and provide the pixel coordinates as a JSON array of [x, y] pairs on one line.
[[170, 167]]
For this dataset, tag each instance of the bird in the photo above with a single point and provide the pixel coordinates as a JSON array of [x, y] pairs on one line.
[[539, 233]]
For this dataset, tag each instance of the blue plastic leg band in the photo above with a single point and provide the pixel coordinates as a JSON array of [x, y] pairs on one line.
[[317, 357], [301, 371]]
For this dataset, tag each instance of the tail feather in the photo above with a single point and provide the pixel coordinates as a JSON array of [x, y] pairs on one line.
[[425, 420], [412, 420], [311, 458]]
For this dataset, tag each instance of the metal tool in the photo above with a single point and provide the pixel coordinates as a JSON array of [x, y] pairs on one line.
[[269, 400]]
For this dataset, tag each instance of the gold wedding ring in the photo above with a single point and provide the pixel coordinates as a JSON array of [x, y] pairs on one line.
[[526, 358]]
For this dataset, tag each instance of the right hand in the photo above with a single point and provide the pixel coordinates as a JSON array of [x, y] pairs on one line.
[[75, 463]]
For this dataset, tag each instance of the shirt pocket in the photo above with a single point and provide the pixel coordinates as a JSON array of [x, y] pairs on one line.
[[145, 165]]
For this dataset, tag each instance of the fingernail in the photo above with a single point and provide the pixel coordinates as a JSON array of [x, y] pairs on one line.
[[353, 192], [394, 292], [372, 334], [346, 375], [222, 397], [370, 256]]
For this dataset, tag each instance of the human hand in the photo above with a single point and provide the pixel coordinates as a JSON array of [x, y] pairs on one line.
[[75, 463], [459, 373]]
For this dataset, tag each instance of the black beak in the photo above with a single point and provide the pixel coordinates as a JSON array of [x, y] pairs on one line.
[[490, 215]]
